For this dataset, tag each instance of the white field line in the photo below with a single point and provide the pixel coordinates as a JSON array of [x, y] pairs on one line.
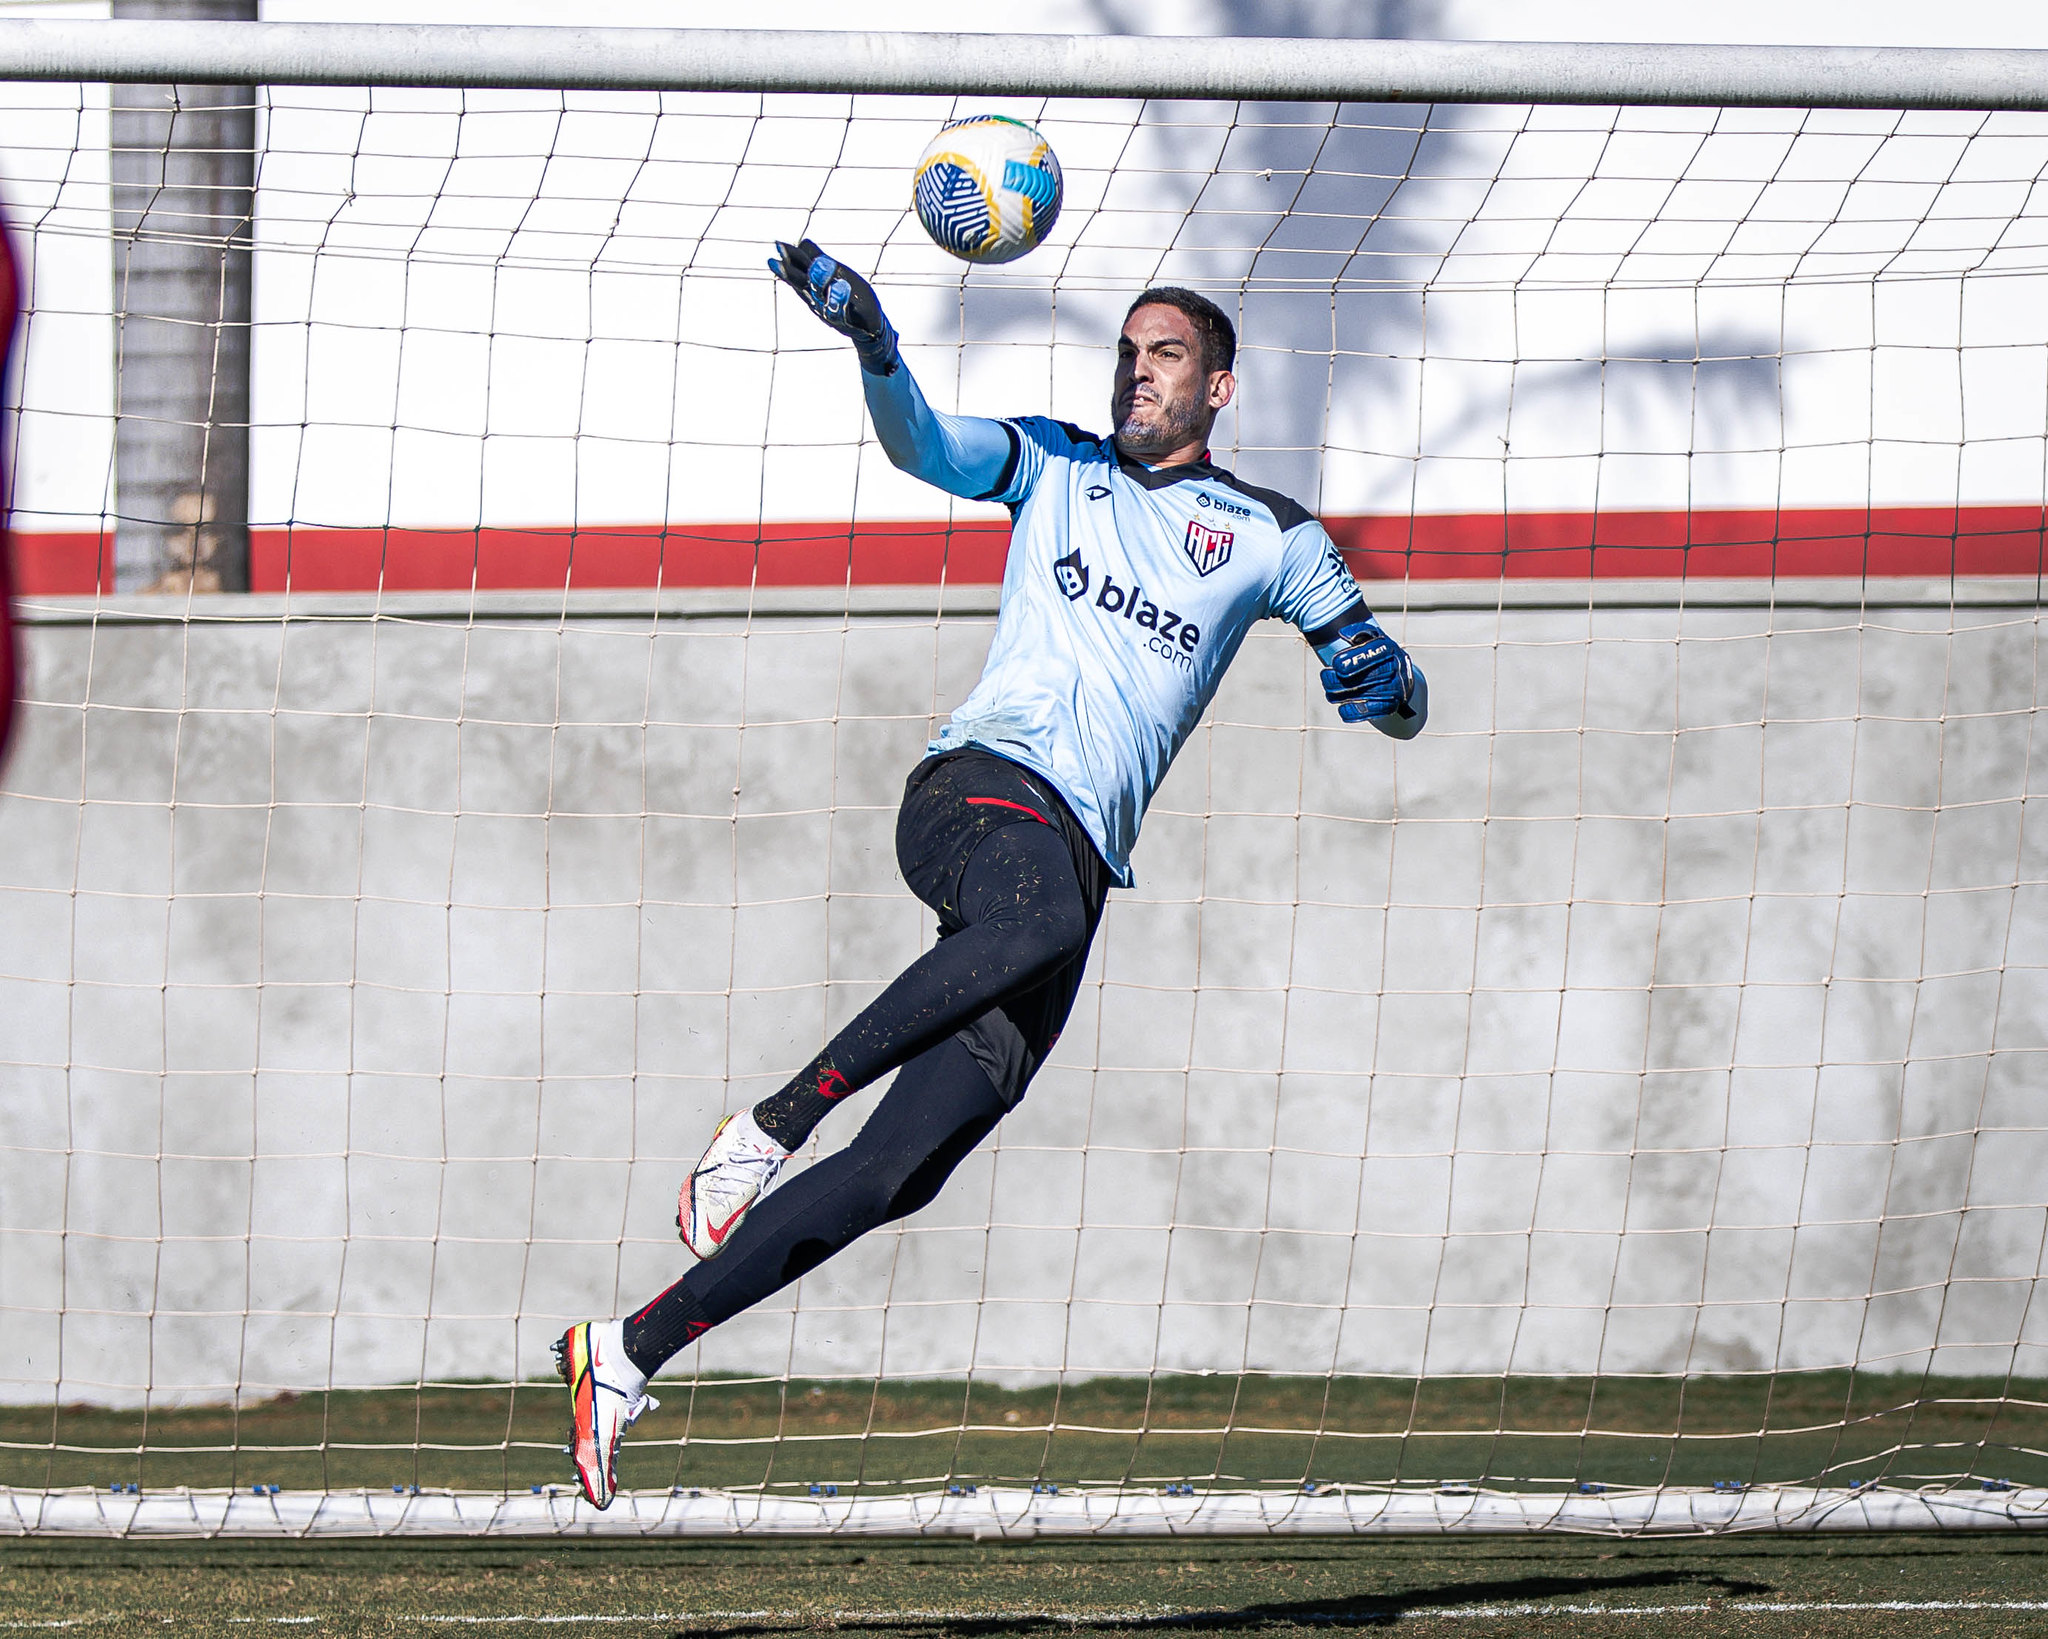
[[1167, 1616]]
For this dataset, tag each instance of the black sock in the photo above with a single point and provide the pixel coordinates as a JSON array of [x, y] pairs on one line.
[[939, 1108], [789, 1116], [664, 1328]]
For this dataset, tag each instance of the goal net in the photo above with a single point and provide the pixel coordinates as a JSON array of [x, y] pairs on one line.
[[1618, 1109]]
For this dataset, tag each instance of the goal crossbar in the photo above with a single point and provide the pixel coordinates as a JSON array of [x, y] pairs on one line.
[[1318, 70]]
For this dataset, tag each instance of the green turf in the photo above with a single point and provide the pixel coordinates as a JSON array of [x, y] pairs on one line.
[[1255, 1430], [753, 1590]]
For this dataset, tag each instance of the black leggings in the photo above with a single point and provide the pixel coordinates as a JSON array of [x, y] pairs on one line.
[[1019, 889]]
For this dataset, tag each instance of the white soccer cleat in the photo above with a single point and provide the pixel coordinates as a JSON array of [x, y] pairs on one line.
[[740, 1165], [607, 1393]]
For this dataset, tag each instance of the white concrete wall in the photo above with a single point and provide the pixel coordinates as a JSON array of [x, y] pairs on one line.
[[1675, 1003]]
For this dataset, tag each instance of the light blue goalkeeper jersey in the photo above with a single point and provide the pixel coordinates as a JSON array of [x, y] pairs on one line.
[[1126, 594]]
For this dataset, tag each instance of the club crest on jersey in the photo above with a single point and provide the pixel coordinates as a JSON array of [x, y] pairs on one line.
[[1208, 549]]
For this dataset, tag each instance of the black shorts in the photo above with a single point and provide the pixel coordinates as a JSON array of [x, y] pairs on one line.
[[951, 803]]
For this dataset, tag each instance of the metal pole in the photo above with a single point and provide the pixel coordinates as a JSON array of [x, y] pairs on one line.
[[184, 175], [1446, 71]]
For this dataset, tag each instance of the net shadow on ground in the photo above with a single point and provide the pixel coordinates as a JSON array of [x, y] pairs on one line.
[[1361, 1611]]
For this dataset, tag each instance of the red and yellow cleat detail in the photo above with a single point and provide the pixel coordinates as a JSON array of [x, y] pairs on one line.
[[606, 1394]]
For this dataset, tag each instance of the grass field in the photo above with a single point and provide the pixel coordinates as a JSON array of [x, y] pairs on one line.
[[1870, 1587], [1258, 1430], [1827, 1427]]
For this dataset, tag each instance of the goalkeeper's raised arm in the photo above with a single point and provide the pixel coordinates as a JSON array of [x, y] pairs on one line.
[[964, 455]]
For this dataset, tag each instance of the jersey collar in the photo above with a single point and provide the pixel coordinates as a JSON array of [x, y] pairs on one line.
[[1164, 477]]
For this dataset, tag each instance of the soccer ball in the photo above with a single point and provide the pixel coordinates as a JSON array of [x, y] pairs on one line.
[[988, 189]]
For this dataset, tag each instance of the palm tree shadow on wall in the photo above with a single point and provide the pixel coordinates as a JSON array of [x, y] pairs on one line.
[[1325, 227]]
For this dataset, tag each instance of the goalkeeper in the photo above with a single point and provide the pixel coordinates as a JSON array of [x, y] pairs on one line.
[[1136, 567]]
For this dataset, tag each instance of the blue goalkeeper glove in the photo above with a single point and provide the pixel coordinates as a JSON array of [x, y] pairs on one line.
[[842, 298], [1371, 677]]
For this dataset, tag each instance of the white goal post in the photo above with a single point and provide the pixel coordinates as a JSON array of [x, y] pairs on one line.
[[1026, 65], [1617, 1110]]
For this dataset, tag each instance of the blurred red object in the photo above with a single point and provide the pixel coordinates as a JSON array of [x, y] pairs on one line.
[[10, 670]]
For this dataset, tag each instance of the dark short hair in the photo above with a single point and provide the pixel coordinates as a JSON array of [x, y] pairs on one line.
[[1219, 336]]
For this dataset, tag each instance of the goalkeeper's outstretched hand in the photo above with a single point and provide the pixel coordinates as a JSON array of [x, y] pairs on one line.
[[842, 298], [1370, 679]]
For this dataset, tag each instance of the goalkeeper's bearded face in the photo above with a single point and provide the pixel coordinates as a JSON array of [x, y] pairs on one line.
[[1165, 398]]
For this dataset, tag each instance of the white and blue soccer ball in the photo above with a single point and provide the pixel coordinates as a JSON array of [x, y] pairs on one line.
[[988, 189]]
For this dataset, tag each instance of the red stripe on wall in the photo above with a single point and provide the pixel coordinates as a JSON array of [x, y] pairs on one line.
[[889, 554], [1846, 541], [1856, 541], [61, 564]]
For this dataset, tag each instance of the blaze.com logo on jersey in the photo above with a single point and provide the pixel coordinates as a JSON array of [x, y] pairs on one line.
[[1168, 635]]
